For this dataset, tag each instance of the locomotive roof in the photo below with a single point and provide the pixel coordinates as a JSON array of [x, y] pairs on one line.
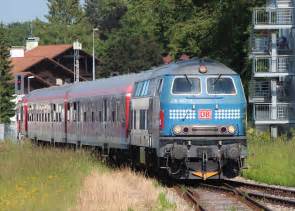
[[192, 67], [122, 82]]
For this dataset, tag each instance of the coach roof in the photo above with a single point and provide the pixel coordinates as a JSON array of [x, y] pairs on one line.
[[190, 67]]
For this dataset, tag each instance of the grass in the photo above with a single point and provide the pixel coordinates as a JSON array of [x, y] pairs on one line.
[[122, 190], [35, 178], [271, 161], [164, 204]]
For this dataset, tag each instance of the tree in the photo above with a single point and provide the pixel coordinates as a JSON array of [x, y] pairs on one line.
[[66, 23], [6, 86], [105, 14], [17, 33], [126, 53], [66, 12]]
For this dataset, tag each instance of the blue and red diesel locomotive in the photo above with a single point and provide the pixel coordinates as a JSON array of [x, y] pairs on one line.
[[186, 118]]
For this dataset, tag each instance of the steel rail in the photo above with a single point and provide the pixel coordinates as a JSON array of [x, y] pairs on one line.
[[190, 196], [282, 201], [242, 197], [281, 191]]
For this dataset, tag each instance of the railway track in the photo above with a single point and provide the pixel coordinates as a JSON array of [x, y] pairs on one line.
[[275, 197], [191, 196], [267, 189], [228, 195], [209, 197]]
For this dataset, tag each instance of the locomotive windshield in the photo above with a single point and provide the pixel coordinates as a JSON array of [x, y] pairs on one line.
[[219, 85], [186, 85]]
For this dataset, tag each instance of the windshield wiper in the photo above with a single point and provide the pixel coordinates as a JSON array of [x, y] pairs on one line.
[[188, 80], [217, 79]]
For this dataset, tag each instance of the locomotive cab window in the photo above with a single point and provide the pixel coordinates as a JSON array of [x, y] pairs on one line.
[[186, 85], [221, 86]]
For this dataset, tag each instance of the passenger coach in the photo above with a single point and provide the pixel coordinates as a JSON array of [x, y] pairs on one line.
[[186, 119]]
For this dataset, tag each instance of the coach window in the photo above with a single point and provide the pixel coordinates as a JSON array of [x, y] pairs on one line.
[[84, 116], [117, 111], [142, 88], [100, 116], [145, 88], [134, 119], [138, 89], [159, 86], [113, 116], [68, 111], [74, 111], [92, 116], [105, 108], [142, 123], [78, 110]]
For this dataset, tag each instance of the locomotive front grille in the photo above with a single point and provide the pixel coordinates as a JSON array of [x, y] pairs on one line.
[[205, 129], [200, 130]]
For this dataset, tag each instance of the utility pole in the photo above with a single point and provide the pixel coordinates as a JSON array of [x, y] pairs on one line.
[[77, 47], [93, 54]]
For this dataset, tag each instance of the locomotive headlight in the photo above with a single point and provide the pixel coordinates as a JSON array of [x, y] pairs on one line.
[[231, 129], [177, 129]]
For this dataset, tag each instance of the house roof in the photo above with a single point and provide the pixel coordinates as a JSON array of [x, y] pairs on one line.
[[37, 55]]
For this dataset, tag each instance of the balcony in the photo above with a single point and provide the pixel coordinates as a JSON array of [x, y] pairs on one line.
[[273, 18], [266, 66], [281, 113], [260, 91], [260, 44]]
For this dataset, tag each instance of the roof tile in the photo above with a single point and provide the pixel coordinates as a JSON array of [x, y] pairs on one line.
[[36, 55]]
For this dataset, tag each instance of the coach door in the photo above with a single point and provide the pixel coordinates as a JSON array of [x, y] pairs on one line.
[[141, 110]]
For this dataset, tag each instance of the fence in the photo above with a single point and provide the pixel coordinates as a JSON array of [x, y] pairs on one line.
[[259, 90], [276, 16], [284, 64], [7, 131], [279, 112]]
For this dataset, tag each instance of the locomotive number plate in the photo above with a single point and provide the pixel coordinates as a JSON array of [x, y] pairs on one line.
[[205, 114]]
